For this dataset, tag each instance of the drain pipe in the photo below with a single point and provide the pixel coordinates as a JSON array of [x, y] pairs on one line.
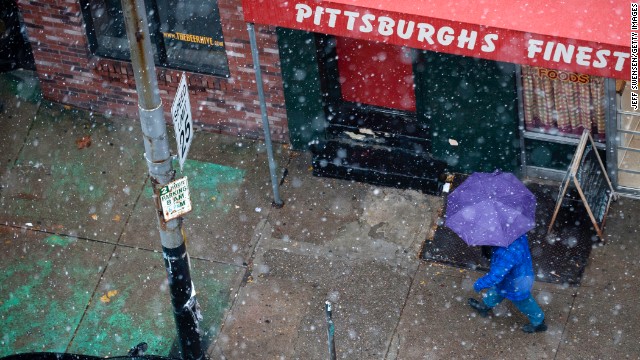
[[186, 310], [277, 202]]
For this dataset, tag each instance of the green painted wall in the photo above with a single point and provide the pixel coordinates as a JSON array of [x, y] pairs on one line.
[[473, 101], [549, 155], [301, 79], [422, 81]]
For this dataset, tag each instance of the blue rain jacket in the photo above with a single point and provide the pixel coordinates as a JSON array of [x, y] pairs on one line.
[[511, 271]]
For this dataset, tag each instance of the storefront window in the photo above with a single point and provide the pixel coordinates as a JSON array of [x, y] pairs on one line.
[[192, 34], [563, 103], [110, 36], [186, 34]]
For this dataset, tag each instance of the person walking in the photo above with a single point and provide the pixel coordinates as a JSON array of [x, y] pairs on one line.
[[497, 210], [510, 276]]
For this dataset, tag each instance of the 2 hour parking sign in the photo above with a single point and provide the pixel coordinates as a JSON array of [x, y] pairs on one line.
[[182, 122], [175, 199]]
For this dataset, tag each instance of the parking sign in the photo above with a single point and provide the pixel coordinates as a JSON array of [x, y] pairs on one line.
[[182, 122], [175, 199]]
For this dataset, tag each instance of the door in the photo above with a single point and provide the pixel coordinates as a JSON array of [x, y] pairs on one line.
[[368, 93]]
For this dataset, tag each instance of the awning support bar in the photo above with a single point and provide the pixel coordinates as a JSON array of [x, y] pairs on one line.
[[277, 202]]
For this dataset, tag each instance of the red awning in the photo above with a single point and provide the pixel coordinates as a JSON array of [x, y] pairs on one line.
[[584, 36]]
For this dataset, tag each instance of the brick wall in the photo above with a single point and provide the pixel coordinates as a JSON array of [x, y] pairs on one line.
[[70, 74]]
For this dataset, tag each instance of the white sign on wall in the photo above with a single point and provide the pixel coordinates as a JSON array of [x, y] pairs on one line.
[[182, 122]]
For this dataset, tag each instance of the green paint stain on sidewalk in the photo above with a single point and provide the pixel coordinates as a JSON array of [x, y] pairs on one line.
[[112, 327], [71, 183], [212, 187], [138, 308], [56, 240], [42, 298], [214, 296], [74, 179]]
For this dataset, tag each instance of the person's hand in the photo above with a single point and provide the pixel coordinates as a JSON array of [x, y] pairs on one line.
[[477, 287]]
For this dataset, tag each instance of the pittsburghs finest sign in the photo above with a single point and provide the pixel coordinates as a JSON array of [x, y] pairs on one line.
[[407, 24], [175, 199]]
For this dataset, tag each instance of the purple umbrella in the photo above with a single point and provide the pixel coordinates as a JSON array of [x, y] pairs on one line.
[[491, 209]]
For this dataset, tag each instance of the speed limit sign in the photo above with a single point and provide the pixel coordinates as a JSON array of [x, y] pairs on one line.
[[182, 122]]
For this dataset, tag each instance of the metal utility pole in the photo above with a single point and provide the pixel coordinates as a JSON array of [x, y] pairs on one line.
[[186, 310]]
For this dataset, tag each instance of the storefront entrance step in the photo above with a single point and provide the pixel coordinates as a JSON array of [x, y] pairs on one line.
[[378, 165]]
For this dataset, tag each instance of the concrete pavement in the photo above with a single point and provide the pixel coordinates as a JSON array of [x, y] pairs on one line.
[[83, 272]]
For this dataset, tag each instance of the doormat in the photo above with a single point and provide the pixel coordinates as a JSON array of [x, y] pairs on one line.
[[557, 258]]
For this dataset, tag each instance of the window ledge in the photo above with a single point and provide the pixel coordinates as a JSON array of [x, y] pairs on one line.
[[114, 69], [557, 139]]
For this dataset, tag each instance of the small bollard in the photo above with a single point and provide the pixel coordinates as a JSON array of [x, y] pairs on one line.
[[330, 331]]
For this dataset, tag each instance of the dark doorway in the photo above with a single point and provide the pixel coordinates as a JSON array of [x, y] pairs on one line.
[[368, 91], [16, 50], [373, 133]]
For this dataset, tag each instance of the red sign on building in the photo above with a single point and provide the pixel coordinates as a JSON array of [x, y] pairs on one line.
[[587, 37]]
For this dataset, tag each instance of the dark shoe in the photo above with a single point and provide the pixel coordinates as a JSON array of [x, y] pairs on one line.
[[529, 328], [480, 307]]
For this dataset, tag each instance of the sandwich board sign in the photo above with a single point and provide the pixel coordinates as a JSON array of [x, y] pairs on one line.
[[175, 199], [182, 122], [589, 176]]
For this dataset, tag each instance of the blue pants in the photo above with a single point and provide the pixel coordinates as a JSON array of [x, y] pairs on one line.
[[528, 306]]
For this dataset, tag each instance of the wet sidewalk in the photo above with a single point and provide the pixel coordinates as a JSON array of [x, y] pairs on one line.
[[82, 270]]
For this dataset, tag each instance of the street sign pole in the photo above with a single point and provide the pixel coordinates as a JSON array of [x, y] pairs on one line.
[[158, 156]]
